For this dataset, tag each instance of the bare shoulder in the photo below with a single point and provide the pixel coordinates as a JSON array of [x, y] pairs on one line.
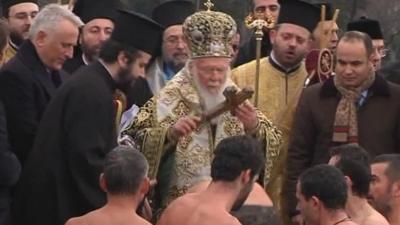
[[142, 221], [76, 221], [231, 221], [183, 202], [87, 219], [179, 206], [375, 219]]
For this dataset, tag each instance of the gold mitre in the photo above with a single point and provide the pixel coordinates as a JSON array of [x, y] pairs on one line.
[[209, 34]]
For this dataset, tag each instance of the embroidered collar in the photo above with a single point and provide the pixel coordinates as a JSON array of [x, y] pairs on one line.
[[279, 67]]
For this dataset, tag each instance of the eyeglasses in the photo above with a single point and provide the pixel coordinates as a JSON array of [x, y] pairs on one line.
[[382, 51], [173, 41], [24, 15]]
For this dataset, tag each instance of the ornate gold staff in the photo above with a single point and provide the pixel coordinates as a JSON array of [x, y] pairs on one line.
[[71, 4], [209, 5], [258, 24]]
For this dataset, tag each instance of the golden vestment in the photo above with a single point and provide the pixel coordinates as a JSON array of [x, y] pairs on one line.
[[9, 52], [279, 93], [192, 153]]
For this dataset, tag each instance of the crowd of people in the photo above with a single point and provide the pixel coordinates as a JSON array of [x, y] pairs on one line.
[[108, 116]]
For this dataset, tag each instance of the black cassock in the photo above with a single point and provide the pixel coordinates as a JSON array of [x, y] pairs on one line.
[[61, 178]]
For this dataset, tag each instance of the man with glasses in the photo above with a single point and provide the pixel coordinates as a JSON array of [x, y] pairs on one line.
[[261, 9], [171, 57], [174, 51], [19, 15], [373, 29]]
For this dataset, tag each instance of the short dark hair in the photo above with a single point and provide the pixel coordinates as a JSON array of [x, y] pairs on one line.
[[393, 169], [351, 36], [124, 170], [235, 154], [354, 163], [326, 183], [111, 48]]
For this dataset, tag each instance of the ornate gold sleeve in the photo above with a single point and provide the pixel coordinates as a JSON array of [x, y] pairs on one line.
[[148, 135], [272, 139]]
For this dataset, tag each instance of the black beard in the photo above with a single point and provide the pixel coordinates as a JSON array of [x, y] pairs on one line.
[[16, 39]]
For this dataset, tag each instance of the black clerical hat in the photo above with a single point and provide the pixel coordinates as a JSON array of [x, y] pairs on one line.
[[299, 13], [6, 4], [173, 12], [88, 10], [138, 31], [368, 26], [328, 7]]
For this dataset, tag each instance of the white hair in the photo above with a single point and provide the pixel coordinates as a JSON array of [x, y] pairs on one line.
[[48, 19]]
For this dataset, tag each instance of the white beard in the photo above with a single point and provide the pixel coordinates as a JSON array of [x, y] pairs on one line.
[[210, 100]]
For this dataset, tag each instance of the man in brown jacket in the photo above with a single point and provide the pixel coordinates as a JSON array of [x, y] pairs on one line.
[[355, 106]]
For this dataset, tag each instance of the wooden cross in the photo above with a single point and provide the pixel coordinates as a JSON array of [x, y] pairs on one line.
[[233, 99]]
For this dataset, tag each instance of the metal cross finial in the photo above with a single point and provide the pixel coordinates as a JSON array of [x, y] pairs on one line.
[[209, 5]]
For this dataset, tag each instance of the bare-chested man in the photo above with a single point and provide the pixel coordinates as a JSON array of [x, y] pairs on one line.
[[125, 181], [321, 192], [385, 186], [353, 161], [237, 162], [258, 208]]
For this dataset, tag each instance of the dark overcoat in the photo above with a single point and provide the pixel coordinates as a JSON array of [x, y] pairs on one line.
[[10, 169], [26, 87], [61, 177], [378, 127]]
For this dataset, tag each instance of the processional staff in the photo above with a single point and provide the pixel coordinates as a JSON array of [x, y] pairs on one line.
[[258, 23]]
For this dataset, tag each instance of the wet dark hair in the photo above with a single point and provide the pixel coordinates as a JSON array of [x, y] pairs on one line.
[[235, 154], [354, 163], [327, 183]]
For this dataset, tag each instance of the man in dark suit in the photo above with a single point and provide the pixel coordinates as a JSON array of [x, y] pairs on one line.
[[355, 106], [9, 170], [79, 129], [31, 78]]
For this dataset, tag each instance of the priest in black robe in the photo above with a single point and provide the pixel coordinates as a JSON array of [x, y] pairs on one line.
[[98, 16], [61, 176]]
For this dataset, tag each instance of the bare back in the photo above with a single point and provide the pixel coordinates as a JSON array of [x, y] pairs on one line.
[[103, 216], [191, 209]]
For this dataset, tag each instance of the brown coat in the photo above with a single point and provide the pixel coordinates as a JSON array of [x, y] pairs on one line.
[[378, 127]]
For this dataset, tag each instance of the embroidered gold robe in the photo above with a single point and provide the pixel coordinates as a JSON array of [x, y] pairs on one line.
[[193, 153], [9, 52], [278, 97]]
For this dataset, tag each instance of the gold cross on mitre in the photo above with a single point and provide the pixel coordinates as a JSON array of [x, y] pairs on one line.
[[209, 5]]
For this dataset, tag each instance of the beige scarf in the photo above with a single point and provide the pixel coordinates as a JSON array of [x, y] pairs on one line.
[[345, 127]]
